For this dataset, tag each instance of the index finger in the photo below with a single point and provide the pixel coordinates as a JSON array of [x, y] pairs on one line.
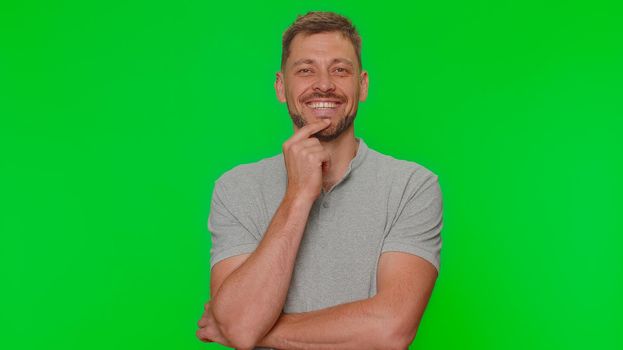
[[310, 129]]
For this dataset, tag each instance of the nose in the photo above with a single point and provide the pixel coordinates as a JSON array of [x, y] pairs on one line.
[[324, 82]]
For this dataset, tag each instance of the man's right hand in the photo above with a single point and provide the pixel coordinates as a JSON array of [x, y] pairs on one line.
[[306, 160]]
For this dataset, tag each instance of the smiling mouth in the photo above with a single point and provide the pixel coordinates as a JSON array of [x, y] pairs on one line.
[[320, 105]]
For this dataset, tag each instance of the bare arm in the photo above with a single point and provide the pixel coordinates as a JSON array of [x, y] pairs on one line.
[[389, 320], [251, 297], [355, 325], [250, 300]]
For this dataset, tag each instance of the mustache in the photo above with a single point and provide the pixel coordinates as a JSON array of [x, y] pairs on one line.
[[319, 95]]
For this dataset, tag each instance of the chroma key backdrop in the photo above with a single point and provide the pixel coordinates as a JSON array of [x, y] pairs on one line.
[[116, 118]]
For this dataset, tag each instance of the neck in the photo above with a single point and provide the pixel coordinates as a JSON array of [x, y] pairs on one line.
[[342, 151]]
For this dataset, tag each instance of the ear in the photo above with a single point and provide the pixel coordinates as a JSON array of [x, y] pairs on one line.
[[363, 86], [280, 88]]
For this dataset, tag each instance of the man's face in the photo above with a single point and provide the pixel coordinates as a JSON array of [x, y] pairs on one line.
[[321, 79]]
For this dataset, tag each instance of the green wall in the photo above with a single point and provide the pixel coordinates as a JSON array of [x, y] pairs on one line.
[[116, 118]]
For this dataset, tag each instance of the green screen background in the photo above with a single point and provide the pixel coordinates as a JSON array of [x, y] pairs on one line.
[[118, 116]]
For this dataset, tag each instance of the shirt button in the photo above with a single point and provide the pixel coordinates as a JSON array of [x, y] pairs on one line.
[[325, 204]]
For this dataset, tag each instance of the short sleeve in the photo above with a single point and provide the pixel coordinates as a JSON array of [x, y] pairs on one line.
[[230, 236], [417, 230]]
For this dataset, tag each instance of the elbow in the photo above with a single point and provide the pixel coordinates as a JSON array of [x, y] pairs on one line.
[[241, 338], [240, 333], [237, 331], [398, 336], [396, 342], [243, 345]]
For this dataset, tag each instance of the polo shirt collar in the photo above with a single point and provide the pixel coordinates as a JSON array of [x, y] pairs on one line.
[[362, 150]]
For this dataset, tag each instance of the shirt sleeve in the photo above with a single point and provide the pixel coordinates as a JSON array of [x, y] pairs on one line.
[[229, 235], [417, 230]]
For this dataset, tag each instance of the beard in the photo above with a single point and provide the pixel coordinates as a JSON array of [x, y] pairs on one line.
[[328, 134]]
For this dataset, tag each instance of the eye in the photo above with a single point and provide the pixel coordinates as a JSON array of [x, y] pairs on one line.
[[304, 70], [342, 70]]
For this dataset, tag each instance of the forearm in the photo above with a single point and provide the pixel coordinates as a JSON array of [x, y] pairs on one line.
[[357, 325], [251, 299]]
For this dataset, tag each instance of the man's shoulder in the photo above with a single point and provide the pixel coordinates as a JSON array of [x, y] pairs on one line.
[[253, 173], [402, 178], [392, 167]]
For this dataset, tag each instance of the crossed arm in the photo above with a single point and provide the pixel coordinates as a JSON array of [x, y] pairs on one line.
[[389, 320]]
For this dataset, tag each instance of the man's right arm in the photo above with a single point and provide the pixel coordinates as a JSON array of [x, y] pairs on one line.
[[250, 300]]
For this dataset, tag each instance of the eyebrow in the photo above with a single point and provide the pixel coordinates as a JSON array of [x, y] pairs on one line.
[[335, 60]]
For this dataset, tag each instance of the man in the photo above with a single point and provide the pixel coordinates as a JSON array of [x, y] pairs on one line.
[[330, 244]]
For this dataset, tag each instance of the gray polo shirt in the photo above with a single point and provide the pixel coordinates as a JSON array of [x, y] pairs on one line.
[[381, 204]]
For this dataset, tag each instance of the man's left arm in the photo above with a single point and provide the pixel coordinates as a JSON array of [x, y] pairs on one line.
[[389, 320]]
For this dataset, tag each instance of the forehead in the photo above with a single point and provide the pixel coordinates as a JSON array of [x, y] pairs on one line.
[[321, 47]]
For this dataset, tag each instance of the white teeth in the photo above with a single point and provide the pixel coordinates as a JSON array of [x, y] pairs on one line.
[[322, 104]]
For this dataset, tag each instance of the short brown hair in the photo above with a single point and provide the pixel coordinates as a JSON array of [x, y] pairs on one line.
[[314, 22]]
